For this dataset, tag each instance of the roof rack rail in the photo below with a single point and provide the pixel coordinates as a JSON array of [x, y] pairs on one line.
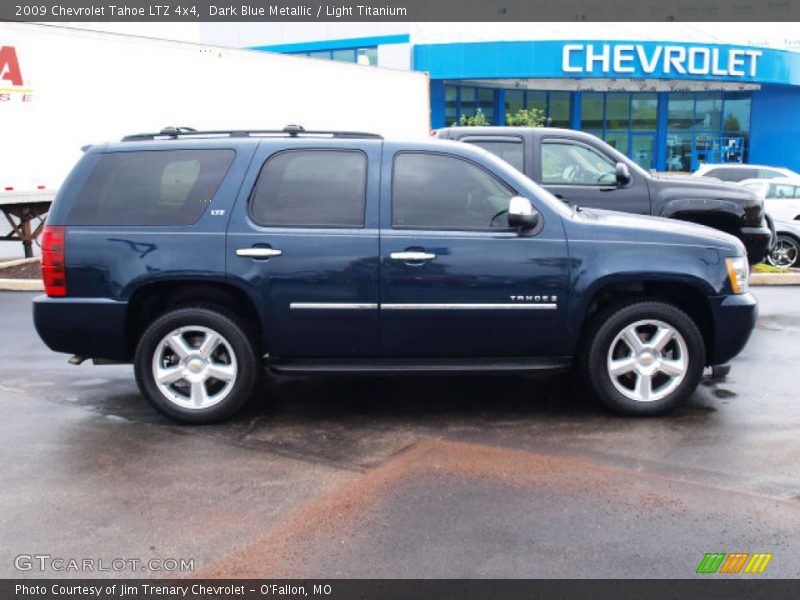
[[174, 133]]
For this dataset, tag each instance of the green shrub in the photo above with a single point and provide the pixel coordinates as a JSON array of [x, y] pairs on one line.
[[767, 268], [477, 119], [526, 117]]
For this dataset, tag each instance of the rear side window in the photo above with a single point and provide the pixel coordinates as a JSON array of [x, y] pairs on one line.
[[511, 150], [311, 188], [779, 190], [158, 187]]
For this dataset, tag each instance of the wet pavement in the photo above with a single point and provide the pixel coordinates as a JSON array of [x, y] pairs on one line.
[[504, 476]]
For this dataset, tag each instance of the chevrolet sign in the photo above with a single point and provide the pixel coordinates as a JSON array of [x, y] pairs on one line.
[[658, 60]]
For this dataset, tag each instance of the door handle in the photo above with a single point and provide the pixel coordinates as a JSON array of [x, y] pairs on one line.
[[412, 256], [257, 252]]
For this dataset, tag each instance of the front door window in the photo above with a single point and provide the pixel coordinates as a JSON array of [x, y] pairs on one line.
[[575, 164], [434, 191]]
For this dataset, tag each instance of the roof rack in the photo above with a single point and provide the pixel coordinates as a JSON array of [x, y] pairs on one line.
[[173, 133]]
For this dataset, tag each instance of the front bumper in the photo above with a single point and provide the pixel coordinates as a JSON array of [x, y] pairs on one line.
[[757, 241], [88, 327], [734, 320]]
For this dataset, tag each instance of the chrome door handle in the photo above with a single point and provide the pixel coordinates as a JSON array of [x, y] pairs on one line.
[[412, 256], [258, 252]]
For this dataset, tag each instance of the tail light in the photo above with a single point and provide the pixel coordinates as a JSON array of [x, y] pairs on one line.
[[54, 271]]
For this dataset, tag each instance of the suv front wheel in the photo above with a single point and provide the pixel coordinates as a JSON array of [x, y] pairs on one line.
[[195, 365], [643, 358]]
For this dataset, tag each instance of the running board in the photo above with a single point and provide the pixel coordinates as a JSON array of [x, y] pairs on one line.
[[430, 365]]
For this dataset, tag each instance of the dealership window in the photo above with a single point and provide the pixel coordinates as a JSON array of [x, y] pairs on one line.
[[450, 105], [461, 100], [592, 112], [626, 121], [555, 106], [644, 112], [515, 101], [362, 56], [465, 101], [707, 127], [558, 109]]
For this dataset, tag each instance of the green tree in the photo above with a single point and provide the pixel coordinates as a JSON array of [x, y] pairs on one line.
[[526, 117]]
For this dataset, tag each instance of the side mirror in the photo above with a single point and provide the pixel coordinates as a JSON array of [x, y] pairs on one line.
[[623, 174], [521, 213]]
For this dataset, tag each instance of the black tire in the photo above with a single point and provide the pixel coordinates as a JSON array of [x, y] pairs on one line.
[[235, 354], [596, 352], [786, 252]]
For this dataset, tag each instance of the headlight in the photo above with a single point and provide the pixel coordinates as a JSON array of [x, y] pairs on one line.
[[739, 273]]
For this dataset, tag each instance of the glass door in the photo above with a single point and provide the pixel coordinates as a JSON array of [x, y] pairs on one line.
[[643, 147]]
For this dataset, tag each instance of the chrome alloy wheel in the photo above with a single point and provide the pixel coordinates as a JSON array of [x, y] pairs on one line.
[[647, 360], [784, 254], [194, 367]]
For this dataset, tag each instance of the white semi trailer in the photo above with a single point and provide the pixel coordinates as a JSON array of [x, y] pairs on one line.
[[62, 88]]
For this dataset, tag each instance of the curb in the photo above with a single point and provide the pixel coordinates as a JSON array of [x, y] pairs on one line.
[[775, 279], [14, 262], [21, 285]]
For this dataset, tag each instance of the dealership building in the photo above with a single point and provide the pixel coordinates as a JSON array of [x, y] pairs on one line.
[[669, 95]]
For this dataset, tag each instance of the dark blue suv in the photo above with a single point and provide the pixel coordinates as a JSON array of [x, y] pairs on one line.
[[199, 255]]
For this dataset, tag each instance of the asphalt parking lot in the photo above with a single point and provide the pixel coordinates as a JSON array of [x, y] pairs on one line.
[[404, 476]]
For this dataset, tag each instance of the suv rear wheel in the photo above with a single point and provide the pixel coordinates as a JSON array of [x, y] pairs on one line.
[[643, 358], [195, 365]]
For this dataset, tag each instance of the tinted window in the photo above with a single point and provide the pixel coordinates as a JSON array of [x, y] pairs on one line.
[[732, 174], [779, 190], [510, 150], [170, 187], [769, 174], [433, 191], [311, 188], [576, 164]]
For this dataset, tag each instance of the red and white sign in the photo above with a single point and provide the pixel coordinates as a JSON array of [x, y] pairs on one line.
[[11, 83]]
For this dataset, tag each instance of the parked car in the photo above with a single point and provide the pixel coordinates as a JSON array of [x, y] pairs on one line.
[[197, 256], [781, 196], [736, 172], [786, 252], [581, 169]]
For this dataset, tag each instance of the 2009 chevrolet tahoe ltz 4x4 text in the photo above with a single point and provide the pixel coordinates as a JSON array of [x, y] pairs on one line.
[[197, 257]]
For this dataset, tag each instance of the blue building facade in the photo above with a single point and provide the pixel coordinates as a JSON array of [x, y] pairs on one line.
[[670, 106]]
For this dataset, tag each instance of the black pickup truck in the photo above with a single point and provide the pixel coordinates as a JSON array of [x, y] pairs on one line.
[[583, 170]]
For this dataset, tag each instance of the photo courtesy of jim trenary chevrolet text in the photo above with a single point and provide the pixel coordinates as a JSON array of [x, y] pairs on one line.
[[399, 299]]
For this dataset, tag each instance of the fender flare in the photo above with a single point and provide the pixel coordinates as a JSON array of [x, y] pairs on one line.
[[701, 205]]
